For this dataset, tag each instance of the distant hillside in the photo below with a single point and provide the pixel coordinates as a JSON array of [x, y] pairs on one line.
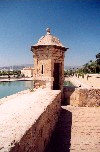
[[16, 67], [20, 67], [71, 67]]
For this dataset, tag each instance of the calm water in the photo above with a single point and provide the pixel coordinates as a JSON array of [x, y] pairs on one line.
[[9, 88]]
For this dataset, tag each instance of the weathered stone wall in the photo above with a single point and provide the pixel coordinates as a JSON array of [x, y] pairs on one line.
[[46, 56], [42, 56], [71, 96], [58, 57], [81, 97], [89, 97], [32, 135], [39, 83]]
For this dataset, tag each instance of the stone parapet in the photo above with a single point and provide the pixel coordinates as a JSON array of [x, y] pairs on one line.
[[43, 82], [81, 97], [28, 120]]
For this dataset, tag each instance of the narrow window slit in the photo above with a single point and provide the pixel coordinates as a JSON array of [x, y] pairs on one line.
[[42, 69]]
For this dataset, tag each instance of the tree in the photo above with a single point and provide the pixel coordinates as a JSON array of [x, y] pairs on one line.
[[98, 58], [98, 63], [0, 73]]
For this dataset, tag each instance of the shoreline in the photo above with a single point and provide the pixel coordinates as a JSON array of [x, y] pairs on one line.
[[10, 81], [16, 79]]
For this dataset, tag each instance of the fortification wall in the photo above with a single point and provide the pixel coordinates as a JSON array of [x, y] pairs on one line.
[[28, 120], [81, 96]]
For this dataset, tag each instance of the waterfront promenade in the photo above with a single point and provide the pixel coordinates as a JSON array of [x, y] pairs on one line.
[[93, 81]]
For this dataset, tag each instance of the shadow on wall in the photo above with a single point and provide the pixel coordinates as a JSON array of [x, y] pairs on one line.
[[67, 92], [61, 137]]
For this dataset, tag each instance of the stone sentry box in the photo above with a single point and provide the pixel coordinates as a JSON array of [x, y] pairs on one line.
[[48, 56]]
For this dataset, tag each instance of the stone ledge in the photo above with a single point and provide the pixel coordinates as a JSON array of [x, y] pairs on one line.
[[82, 97], [24, 118]]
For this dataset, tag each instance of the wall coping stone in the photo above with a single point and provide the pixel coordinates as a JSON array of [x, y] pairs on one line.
[[18, 114]]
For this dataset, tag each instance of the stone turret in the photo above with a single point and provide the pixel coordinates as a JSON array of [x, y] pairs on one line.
[[48, 56]]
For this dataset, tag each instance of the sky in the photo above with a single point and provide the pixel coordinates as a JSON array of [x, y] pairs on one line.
[[75, 22]]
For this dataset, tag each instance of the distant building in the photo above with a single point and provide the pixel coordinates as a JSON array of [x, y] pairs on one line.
[[27, 71]]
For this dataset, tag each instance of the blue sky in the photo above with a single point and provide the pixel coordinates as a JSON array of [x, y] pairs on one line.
[[75, 22]]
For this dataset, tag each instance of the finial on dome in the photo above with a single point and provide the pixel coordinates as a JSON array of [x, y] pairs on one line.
[[48, 30]]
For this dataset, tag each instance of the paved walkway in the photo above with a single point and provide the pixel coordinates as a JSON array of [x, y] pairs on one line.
[[78, 130], [92, 82], [78, 82]]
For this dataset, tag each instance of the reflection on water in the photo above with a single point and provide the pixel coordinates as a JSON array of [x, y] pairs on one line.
[[9, 88]]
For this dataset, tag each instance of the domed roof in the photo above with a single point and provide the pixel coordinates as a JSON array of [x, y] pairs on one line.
[[49, 39]]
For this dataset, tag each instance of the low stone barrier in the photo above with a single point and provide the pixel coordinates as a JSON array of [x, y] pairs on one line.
[[81, 97], [27, 121]]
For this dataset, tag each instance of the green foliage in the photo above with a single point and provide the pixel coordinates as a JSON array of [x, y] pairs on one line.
[[90, 67], [82, 75], [0, 73], [98, 63], [69, 72], [15, 72], [31, 90]]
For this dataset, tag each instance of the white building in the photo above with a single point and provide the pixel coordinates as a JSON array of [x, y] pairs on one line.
[[27, 71]]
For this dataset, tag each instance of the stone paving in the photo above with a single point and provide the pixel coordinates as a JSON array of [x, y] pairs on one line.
[[78, 130]]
